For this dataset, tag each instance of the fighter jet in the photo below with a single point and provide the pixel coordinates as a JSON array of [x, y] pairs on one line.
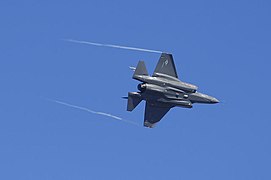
[[163, 91]]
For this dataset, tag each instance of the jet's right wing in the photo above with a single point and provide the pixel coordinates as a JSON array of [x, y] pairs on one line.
[[166, 66], [154, 112]]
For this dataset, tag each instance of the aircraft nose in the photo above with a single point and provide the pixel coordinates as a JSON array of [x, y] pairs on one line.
[[214, 100]]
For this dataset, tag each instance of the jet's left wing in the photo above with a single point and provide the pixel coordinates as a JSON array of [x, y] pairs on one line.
[[154, 112]]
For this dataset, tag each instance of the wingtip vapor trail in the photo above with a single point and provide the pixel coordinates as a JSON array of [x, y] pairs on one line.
[[91, 111], [113, 46]]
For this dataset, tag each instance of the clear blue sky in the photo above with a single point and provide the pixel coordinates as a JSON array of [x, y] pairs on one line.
[[221, 46]]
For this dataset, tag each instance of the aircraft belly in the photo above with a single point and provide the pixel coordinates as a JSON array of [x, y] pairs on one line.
[[176, 102]]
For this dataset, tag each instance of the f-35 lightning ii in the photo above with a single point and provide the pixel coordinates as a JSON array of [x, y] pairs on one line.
[[163, 91]]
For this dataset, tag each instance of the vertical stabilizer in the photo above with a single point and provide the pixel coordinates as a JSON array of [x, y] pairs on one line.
[[140, 69], [166, 66]]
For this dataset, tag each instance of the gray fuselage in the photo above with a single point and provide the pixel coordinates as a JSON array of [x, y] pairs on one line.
[[166, 89]]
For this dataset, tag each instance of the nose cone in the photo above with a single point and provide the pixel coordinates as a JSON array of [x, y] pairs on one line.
[[202, 98], [214, 100]]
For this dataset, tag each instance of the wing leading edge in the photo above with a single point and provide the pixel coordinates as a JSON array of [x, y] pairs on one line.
[[154, 112]]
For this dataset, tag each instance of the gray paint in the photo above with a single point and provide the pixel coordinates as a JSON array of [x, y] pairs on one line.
[[163, 91]]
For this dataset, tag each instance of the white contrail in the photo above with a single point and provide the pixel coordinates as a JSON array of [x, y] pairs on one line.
[[113, 46], [93, 112]]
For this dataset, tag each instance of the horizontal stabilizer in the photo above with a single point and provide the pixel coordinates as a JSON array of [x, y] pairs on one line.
[[134, 99]]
